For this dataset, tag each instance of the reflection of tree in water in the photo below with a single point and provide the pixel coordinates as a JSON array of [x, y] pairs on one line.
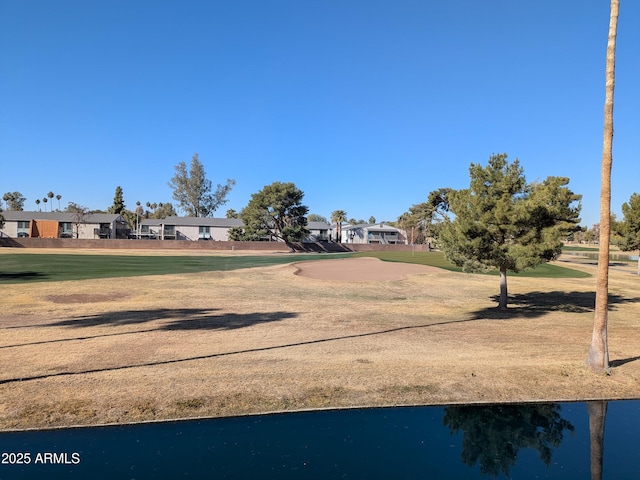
[[597, 414], [493, 435]]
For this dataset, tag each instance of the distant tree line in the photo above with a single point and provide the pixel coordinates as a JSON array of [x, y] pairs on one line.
[[277, 212]]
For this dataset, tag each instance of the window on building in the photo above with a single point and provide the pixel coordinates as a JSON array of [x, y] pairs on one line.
[[24, 229], [204, 232], [105, 230], [66, 230], [169, 232]]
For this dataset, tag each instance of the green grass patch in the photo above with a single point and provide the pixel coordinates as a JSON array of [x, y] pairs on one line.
[[27, 268], [21, 268], [592, 254], [437, 259], [580, 249], [546, 270], [431, 259]]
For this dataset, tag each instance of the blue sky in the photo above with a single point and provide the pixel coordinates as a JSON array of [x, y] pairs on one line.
[[366, 105]]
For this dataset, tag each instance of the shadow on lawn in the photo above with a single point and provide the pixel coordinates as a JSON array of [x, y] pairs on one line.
[[21, 276], [622, 361], [281, 316], [175, 319], [537, 304], [185, 319]]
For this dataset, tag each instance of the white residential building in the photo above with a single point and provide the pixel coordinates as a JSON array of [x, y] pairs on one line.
[[24, 224], [371, 234]]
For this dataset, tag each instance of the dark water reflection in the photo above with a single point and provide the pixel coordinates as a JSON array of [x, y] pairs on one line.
[[503, 441], [492, 436]]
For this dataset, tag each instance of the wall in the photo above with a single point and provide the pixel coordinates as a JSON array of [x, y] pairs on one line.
[[44, 228], [140, 244], [201, 245], [193, 233], [376, 247], [10, 229]]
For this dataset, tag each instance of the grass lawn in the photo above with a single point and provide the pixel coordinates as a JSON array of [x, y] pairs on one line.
[[436, 259], [21, 267], [580, 249], [252, 340]]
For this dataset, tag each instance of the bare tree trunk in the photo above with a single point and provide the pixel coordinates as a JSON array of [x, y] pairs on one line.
[[598, 356], [597, 414], [503, 288]]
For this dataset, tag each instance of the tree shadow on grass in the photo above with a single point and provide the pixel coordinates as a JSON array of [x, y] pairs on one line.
[[185, 319], [622, 361], [537, 304], [16, 277], [175, 319], [225, 353]]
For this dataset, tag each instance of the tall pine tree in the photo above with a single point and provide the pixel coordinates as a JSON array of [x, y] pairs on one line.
[[194, 191], [502, 222], [118, 202], [631, 225]]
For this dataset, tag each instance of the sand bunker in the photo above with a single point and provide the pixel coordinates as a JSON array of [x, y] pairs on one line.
[[364, 269]]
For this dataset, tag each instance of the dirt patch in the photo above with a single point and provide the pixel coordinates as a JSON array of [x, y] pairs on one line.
[[364, 269], [81, 298]]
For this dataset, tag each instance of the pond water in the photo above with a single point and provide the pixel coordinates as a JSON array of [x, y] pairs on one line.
[[551, 440], [612, 256]]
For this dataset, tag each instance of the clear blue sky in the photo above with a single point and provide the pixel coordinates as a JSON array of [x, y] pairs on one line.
[[366, 105]]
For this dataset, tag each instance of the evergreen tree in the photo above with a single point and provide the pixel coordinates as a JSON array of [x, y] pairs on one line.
[[237, 234], [14, 201], [164, 210], [73, 207], [314, 217], [422, 220], [630, 226], [407, 223], [276, 211], [193, 191], [118, 206], [502, 222]]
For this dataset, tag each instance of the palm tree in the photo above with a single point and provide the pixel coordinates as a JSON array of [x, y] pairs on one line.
[[50, 196], [45, 200], [598, 356], [38, 203], [139, 211], [337, 217], [58, 197]]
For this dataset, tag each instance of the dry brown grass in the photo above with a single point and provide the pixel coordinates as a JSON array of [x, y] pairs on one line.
[[258, 340]]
